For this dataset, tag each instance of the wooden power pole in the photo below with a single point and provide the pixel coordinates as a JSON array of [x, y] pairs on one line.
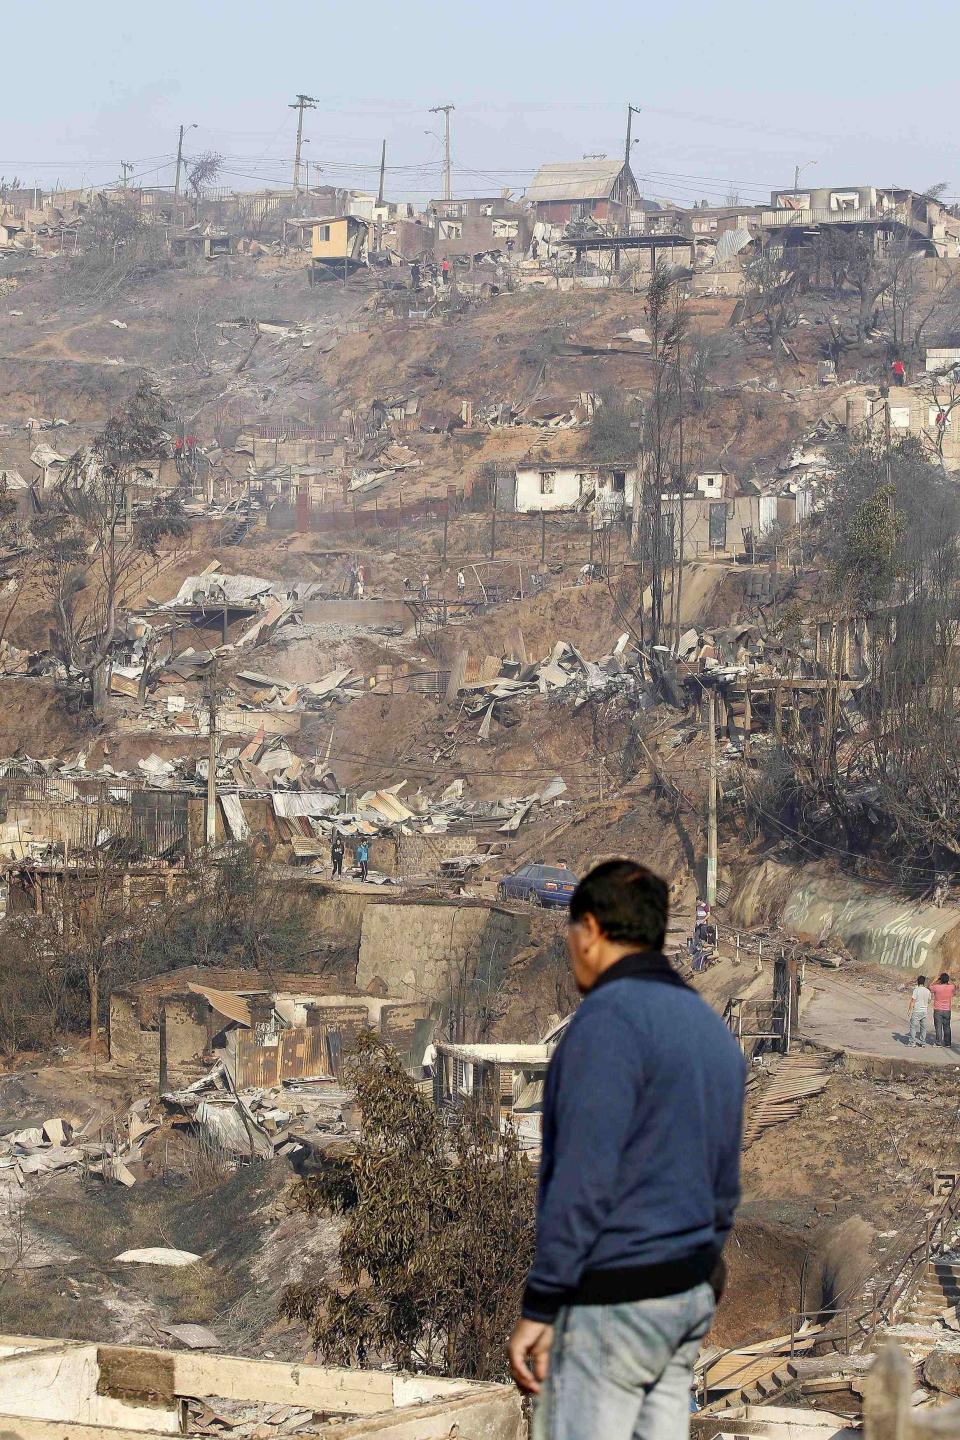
[[302, 102], [176, 183], [444, 110], [383, 172]]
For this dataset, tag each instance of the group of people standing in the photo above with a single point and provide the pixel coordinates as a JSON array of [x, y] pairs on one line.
[[938, 995], [337, 852]]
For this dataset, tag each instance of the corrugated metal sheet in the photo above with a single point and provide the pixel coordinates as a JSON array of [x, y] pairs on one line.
[[310, 803], [236, 589], [234, 816], [232, 1128], [576, 180], [225, 1002], [291, 1055]]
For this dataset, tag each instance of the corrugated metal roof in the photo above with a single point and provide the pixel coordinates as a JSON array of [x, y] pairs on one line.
[[225, 1002], [237, 589], [310, 803], [575, 180]]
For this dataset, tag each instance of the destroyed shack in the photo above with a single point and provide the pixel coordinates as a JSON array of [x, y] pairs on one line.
[[262, 1030], [338, 245], [78, 1389], [505, 1081], [725, 515], [201, 241]]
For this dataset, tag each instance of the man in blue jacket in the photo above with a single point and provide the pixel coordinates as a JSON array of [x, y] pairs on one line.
[[639, 1180]]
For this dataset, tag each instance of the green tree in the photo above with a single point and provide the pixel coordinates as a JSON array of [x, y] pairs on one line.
[[614, 431], [438, 1238]]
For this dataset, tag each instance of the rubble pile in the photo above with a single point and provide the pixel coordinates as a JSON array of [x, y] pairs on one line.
[[564, 670], [292, 1120], [57, 1145]]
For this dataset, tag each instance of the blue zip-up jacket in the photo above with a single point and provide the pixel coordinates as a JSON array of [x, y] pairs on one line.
[[642, 1120]]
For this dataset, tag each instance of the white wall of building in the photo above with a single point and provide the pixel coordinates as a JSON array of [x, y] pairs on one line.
[[560, 487]]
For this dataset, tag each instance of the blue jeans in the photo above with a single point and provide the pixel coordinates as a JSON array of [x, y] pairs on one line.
[[918, 1027], [623, 1372]]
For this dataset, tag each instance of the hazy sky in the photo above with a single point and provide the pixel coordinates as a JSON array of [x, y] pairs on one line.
[[733, 95]]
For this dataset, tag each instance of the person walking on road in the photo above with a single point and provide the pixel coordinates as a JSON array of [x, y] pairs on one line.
[[363, 858], [917, 1014], [639, 1179], [943, 992], [336, 856], [461, 584]]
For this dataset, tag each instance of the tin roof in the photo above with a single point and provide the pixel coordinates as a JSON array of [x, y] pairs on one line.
[[575, 180]]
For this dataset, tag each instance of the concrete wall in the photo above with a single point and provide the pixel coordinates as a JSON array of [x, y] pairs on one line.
[[75, 1390], [811, 902], [188, 1023], [758, 513], [422, 951], [133, 1041], [356, 612], [407, 855]]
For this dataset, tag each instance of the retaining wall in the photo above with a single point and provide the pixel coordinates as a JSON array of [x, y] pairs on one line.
[[425, 951], [813, 903]]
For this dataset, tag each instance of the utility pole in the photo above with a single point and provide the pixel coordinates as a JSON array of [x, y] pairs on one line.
[[444, 110], [711, 896], [383, 172], [127, 169], [302, 102], [631, 111], [212, 756], [183, 131]]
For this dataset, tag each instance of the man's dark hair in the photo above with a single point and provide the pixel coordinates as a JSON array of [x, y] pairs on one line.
[[628, 902]]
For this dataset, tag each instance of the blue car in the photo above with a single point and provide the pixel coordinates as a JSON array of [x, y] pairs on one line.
[[540, 884]]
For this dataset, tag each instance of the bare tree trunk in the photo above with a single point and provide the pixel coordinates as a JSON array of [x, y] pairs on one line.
[[93, 985]]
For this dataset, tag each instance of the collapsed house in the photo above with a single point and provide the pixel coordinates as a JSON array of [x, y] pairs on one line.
[[262, 1030], [505, 1081]]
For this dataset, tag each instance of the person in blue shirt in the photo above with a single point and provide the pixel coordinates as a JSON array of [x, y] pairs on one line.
[[363, 856], [639, 1179]]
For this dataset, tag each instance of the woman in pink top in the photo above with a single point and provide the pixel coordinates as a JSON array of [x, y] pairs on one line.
[[942, 993]]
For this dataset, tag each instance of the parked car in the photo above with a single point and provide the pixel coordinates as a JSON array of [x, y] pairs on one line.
[[540, 884]]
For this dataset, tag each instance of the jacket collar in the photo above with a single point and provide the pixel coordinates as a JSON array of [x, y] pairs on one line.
[[641, 965]]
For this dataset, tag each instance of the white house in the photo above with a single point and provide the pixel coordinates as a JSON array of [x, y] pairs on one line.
[[606, 490]]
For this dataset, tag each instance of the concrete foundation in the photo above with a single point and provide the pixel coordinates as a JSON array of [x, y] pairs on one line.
[[74, 1390]]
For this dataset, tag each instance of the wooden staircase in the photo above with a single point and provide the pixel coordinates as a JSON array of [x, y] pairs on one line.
[[767, 1378]]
